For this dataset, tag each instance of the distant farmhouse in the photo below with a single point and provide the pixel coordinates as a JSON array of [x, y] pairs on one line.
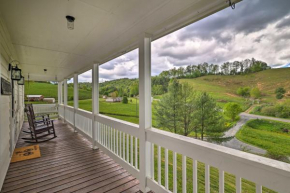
[[113, 100]]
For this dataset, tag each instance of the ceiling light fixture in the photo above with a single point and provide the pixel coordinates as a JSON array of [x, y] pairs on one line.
[[70, 22]]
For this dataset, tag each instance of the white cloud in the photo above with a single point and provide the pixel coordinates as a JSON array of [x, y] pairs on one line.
[[256, 28]]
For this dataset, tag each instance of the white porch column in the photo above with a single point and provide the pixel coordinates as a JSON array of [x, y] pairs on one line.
[[65, 92], [58, 93], [59, 96], [76, 98], [95, 96], [144, 108], [64, 98]]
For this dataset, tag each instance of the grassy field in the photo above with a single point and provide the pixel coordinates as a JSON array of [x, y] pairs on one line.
[[223, 88], [268, 135], [49, 90]]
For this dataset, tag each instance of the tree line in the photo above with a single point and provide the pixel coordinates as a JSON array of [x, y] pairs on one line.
[[129, 87], [228, 68]]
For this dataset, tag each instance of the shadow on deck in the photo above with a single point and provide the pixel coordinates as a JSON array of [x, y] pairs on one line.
[[68, 164]]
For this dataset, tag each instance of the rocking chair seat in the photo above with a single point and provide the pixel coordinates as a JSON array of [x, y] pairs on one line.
[[38, 128]]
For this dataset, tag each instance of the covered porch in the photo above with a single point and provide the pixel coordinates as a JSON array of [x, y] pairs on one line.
[[91, 146], [68, 164]]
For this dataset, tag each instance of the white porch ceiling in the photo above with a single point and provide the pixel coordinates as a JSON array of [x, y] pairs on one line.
[[103, 29]]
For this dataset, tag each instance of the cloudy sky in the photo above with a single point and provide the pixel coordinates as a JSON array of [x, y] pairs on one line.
[[256, 28]]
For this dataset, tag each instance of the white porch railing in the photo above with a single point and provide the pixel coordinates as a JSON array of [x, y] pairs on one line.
[[120, 140], [45, 108]]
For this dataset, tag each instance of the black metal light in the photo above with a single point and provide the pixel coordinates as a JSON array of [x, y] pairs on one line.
[[15, 72], [70, 22], [21, 81]]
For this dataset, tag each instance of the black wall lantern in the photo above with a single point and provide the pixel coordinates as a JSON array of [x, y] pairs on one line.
[[15, 72], [21, 81]]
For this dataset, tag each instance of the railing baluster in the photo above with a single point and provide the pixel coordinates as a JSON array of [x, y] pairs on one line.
[[120, 138], [259, 188], [131, 144], [221, 181], [114, 142], [101, 126], [207, 178], [159, 165], [136, 152], [152, 161], [97, 128], [124, 140], [194, 176], [99, 132], [174, 173], [166, 169], [107, 136], [127, 148], [184, 174], [111, 138], [117, 147], [103, 131], [104, 135], [238, 184]]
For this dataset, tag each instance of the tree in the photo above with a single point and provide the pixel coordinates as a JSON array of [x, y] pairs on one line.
[[232, 110], [186, 109], [134, 89], [207, 114], [125, 100], [255, 93], [167, 110], [280, 92]]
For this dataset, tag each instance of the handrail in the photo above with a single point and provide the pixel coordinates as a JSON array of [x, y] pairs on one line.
[[124, 126], [264, 171], [84, 113]]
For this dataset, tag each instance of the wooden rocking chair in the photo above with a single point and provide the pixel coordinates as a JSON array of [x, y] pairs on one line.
[[39, 129]]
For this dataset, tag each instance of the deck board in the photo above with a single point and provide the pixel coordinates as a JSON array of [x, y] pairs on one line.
[[68, 164]]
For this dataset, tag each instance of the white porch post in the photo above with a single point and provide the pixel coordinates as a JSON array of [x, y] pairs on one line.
[[64, 98], [95, 95], [58, 93], [76, 98], [144, 108], [58, 96]]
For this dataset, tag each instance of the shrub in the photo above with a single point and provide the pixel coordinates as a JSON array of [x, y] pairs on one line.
[[244, 91], [269, 110], [280, 90], [125, 100], [255, 93], [279, 96]]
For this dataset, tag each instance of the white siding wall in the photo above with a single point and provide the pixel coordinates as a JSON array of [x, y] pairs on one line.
[[8, 132]]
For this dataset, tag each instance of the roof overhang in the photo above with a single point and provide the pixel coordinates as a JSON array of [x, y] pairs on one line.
[[103, 30]]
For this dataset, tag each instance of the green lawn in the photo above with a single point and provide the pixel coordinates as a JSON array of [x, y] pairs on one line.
[[49, 90], [268, 135]]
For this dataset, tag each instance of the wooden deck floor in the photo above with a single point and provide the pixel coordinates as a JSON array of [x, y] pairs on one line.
[[68, 164]]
